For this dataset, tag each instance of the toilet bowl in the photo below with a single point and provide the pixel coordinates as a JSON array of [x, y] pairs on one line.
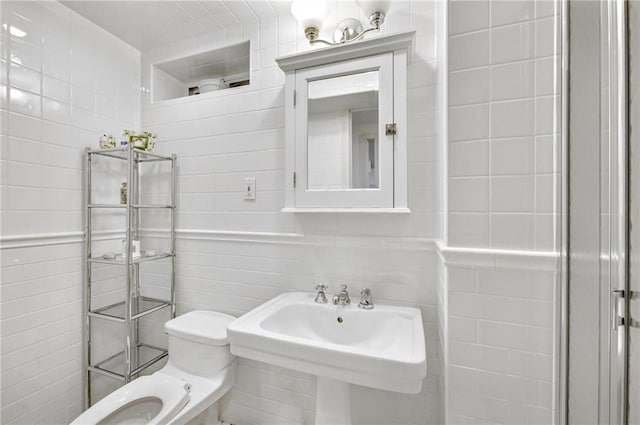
[[200, 370], [146, 400]]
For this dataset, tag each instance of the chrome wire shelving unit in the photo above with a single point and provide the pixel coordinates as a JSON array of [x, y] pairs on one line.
[[136, 356]]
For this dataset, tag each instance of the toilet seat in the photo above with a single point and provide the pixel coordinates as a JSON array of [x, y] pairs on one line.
[[172, 392]]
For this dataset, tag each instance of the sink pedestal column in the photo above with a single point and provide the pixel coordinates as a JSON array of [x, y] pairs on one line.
[[333, 402]]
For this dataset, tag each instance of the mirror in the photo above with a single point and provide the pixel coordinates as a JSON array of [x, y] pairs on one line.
[[343, 132]]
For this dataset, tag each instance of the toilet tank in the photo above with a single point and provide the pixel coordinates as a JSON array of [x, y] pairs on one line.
[[198, 342]]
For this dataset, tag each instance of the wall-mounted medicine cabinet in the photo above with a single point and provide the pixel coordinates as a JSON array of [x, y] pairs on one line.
[[205, 72], [346, 127]]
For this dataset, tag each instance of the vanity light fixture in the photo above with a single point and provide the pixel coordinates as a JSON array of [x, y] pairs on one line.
[[311, 14]]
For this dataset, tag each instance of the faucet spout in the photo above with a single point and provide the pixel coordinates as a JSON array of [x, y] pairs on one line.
[[342, 297]]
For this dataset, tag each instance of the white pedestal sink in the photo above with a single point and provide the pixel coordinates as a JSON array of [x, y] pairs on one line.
[[333, 402], [380, 348]]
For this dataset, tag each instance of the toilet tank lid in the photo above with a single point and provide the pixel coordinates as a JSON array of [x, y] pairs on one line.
[[207, 327]]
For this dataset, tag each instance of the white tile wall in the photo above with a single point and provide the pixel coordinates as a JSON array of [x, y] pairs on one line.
[[64, 83], [501, 109], [223, 137], [41, 329], [500, 357], [498, 319], [54, 112], [499, 327]]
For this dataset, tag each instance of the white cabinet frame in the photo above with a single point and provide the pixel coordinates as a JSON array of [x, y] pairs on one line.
[[334, 60]]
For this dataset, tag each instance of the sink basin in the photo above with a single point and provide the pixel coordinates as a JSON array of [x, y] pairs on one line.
[[382, 348]]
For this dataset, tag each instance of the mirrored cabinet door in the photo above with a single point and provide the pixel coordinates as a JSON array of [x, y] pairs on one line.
[[343, 155]]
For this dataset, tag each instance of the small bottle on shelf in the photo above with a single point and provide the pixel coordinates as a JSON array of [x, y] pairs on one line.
[[135, 248], [123, 193]]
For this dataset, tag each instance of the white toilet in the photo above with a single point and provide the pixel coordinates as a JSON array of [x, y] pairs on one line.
[[200, 370]]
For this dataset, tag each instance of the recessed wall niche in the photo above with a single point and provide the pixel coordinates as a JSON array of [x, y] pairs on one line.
[[202, 73]]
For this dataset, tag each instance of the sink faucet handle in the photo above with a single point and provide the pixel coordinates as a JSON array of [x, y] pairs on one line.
[[343, 287], [366, 302], [321, 297]]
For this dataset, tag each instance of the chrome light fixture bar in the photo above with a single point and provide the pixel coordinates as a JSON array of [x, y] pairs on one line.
[[311, 14]]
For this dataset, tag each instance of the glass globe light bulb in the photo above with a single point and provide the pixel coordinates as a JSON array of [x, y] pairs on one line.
[[310, 13], [369, 7]]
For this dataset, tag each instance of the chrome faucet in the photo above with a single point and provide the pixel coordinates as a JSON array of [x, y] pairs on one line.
[[366, 301], [321, 297], [342, 297]]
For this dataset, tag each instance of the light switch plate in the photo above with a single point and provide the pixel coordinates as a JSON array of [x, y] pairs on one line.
[[250, 188]]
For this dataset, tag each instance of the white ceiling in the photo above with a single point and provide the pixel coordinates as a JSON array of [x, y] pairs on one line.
[[149, 24]]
